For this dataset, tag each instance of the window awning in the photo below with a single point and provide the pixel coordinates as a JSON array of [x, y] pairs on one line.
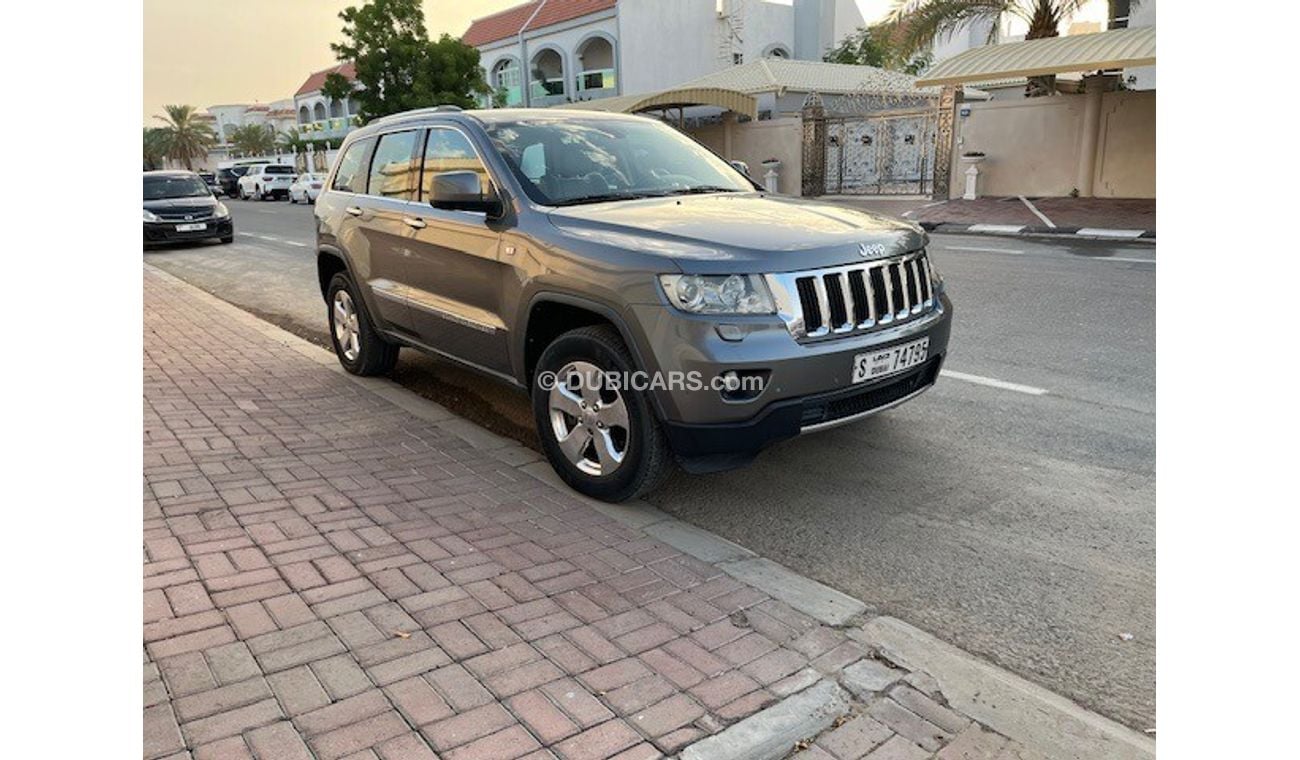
[[1115, 49], [729, 100]]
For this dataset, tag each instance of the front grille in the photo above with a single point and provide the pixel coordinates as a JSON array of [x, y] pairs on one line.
[[866, 400], [855, 298]]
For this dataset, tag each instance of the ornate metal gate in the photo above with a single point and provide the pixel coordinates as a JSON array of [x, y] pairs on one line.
[[884, 153]]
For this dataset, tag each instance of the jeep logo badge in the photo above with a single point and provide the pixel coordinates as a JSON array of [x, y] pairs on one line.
[[872, 251]]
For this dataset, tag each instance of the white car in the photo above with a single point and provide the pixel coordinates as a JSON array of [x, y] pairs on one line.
[[266, 181], [306, 187]]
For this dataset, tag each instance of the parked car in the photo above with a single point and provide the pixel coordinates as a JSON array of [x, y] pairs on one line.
[[654, 302], [179, 206], [264, 181], [228, 178], [306, 187], [210, 180]]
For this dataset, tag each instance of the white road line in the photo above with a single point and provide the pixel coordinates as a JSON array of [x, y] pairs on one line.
[[979, 250], [994, 383], [1152, 262], [1037, 213], [295, 243]]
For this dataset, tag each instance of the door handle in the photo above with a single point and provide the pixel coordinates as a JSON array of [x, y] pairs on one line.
[[353, 210], [414, 221]]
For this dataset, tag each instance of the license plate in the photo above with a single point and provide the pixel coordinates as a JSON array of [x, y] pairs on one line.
[[191, 227], [889, 361]]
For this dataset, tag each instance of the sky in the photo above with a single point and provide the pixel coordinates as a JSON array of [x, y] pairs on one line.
[[204, 53]]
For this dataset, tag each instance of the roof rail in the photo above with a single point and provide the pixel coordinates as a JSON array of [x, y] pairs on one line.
[[444, 108]]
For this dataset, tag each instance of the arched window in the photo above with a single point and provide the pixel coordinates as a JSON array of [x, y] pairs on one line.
[[304, 115], [776, 51], [596, 68], [319, 111], [546, 75], [506, 78], [336, 109]]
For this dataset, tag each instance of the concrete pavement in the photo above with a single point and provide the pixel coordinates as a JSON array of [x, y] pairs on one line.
[[335, 568], [1018, 526]]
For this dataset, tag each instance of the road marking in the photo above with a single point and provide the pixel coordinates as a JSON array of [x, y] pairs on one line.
[[1037, 213], [1152, 262], [994, 383], [979, 250], [295, 243]]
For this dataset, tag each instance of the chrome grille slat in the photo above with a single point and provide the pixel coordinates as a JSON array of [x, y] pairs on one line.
[[825, 300]]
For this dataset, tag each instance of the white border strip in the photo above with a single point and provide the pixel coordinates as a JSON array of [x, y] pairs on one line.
[[1002, 228], [1104, 232]]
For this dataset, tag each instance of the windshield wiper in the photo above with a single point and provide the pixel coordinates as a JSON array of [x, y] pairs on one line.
[[698, 190], [599, 197]]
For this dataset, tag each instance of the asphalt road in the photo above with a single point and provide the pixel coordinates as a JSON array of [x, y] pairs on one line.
[[1010, 510]]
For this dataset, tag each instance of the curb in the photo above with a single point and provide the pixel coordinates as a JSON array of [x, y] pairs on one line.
[[1038, 719], [1084, 233]]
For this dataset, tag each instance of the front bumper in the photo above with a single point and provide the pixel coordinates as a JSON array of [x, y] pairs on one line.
[[716, 447], [809, 385], [157, 233]]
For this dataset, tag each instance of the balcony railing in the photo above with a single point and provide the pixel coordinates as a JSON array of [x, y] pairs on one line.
[[596, 82], [329, 128]]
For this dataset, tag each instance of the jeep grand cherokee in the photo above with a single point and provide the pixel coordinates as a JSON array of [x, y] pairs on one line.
[[572, 252]]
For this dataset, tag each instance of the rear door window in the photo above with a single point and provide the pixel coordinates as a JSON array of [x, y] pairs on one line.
[[394, 167], [351, 175]]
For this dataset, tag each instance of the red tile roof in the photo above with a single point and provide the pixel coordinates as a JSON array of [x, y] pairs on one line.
[[511, 21], [317, 79]]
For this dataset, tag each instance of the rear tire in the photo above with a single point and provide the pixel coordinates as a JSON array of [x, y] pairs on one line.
[[228, 239], [603, 442], [359, 346]]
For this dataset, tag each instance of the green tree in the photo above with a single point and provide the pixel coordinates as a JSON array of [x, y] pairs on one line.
[[871, 46], [398, 67], [253, 140], [184, 138], [155, 148], [918, 24]]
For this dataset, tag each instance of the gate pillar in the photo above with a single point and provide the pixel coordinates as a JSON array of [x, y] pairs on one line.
[[813, 115], [944, 134]]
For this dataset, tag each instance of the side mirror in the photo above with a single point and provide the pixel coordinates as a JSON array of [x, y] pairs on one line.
[[741, 167], [462, 191]]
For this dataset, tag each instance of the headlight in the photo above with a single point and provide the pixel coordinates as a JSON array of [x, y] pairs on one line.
[[150, 216], [718, 294], [222, 212]]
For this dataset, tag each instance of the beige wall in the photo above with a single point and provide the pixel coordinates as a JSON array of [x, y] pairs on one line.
[[754, 141], [1033, 146]]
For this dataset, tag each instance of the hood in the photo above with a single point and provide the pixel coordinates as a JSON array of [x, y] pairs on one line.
[[739, 232], [200, 205]]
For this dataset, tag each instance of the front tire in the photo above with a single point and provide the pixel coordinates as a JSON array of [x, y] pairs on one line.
[[359, 346], [604, 441]]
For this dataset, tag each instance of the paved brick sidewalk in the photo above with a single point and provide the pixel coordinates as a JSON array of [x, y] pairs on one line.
[[327, 575]]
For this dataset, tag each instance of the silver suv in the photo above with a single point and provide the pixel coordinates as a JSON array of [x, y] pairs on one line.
[[653, 301]]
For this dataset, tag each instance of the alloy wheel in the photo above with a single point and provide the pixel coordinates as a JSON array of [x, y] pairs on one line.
[[347, 332], [589, 419]]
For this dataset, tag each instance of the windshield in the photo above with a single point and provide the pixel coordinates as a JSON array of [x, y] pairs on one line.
[[576, 160], [156, 188], [279, 170]]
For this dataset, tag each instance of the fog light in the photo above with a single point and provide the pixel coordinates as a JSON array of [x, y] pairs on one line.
[[730, 381]]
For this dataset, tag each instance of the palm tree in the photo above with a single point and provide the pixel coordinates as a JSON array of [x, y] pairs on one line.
[[155, 148], [918, 24], [253, 140], [185, 137], [292, 141]]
